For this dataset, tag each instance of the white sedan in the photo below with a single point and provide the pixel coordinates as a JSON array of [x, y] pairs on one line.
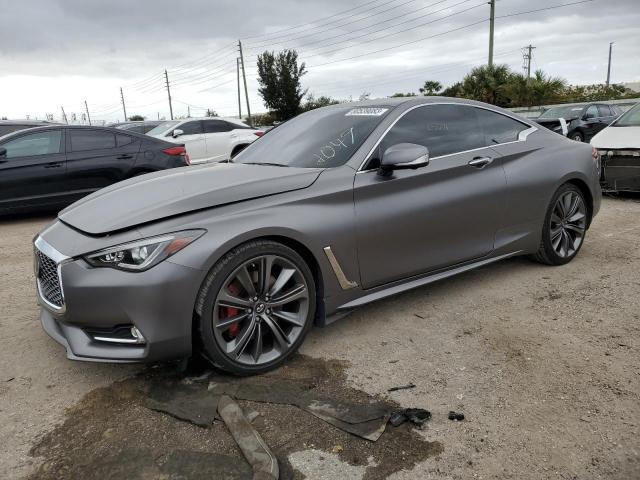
[[619, 148], [208, 139]]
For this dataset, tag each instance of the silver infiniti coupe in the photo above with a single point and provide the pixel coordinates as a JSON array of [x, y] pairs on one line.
[[336, 208]]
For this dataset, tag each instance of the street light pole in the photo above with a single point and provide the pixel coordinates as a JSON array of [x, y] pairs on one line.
[[492, 17], [609, 66]]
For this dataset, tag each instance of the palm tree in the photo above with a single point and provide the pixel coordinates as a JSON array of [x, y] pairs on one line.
[[431, 87], [538, 90], [487, 84]]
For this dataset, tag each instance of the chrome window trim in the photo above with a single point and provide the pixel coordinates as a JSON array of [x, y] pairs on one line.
[[522, 136], [60, 259]]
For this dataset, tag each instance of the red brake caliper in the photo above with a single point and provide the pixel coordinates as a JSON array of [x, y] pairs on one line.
[[228, 312]]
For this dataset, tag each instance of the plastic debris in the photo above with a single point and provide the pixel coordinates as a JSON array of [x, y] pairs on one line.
[[402, 387], [417, 416], [456, 416]]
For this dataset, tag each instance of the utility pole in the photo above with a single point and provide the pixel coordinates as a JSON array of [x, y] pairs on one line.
[[239, 99], [492, 17], [609, 67], [64, 115], [188, 111], [87, 109], [244, 78], [528, 56], [166, 77], [124, 108]]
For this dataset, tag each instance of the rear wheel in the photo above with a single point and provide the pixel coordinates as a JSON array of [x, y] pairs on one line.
[[577, 136], [564, 227], [257, 305]]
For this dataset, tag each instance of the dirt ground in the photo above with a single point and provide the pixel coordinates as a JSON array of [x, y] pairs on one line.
[[544, 362]]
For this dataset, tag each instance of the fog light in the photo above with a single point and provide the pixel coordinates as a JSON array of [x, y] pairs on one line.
[[137, 334]]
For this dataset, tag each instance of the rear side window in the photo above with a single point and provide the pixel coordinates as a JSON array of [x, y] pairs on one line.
[[443, 129], [499, 128], [190, 128], [122, 140], [40, 143], [216, 126], [83, 140], [592, 112], [604, 110]]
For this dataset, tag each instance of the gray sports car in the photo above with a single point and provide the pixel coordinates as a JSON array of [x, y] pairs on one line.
[[339, 207]]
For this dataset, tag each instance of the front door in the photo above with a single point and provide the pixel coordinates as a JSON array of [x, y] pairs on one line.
[[32, 173], [417, 221]]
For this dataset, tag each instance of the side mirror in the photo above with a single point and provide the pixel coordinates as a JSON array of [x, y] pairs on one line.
[[3, 154], [177, 132], [403, 156]]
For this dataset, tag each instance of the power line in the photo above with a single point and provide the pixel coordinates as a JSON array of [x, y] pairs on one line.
[[544, 9], [254, 47], [317, 20]]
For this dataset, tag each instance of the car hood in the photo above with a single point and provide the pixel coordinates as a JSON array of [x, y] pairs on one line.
[[617, 137], [181, 190]]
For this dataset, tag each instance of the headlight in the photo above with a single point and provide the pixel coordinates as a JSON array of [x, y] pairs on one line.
[[142, 254]]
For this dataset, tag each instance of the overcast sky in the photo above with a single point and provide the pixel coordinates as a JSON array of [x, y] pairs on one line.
[[57, 53]]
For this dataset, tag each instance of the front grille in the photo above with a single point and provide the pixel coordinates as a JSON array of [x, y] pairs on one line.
[[48, 280]]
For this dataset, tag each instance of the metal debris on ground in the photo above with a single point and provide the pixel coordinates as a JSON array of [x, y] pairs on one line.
[[417, 416], [253, 447], [402, 387], [456, 416]]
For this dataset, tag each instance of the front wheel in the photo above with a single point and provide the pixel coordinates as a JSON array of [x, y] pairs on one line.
[[257, 305], [564, 227]]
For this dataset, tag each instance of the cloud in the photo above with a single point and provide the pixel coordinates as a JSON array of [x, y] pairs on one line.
[[60, 52]]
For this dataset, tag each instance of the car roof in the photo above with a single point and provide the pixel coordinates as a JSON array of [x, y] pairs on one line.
[[28, 122]]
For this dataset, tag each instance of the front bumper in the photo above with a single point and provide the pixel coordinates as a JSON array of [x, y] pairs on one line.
[[158, 302]]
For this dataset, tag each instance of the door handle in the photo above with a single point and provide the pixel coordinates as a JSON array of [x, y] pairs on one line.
[[124, 157], [53, 165], [480, 162]]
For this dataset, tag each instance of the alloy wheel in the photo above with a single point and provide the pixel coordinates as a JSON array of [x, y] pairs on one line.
[[568, 224], [261, 310]]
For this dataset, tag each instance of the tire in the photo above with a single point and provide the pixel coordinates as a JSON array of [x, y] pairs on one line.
[[577, 136], [245, 325], [564, 228]]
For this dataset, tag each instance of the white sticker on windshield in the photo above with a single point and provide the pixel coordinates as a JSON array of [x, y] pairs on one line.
[[366, 112]]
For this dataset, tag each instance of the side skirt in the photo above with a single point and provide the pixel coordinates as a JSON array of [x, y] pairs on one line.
[[414, 282]]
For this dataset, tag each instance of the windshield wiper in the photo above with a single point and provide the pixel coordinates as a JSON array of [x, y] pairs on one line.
[[265, 163]]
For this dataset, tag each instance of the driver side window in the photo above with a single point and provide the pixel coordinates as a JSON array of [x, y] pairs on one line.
[[40, 143], [443, 129]]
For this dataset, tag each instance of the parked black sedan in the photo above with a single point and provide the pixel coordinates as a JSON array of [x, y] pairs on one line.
[[582, 121], [51, 167], [9, 126]]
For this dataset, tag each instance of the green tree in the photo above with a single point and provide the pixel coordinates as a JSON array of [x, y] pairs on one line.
[[279, 77], [431, 87], [211, 113], [400, 94], [540, 89], [136, 118], [454, 90], [488, 84], [312, 102]]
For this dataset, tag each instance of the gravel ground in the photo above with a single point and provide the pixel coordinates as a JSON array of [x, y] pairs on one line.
[[543, 362]]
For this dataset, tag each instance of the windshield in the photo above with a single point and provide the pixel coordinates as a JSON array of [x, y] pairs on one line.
[[322, 138], [163, 127], [570, 111], [631, 118]]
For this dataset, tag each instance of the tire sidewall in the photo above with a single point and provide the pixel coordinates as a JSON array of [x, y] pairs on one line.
[[546, 229], [222, 270]]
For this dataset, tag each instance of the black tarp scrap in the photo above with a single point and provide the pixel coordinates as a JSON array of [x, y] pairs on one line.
[[198, 404]]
